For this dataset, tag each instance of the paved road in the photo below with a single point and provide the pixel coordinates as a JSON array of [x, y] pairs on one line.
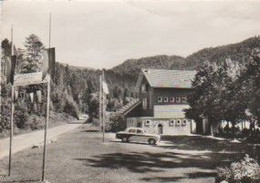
[[24, 141]]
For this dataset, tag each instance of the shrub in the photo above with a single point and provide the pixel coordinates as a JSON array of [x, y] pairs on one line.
[[117, 123], [21, 118], [246, 170]]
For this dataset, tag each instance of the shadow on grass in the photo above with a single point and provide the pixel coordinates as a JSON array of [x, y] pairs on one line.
[[201, 174], [195, 175], [158, 162], [201, 143], [162, 179]]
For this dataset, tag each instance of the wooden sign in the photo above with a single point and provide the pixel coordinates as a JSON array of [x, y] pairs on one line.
[[28, 79]]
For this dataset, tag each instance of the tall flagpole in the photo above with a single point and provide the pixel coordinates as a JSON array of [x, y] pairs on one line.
[[100, 101], [47, 110], [12, 114], [103, 107]]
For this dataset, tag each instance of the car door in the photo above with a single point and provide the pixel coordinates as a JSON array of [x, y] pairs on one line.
[[132, 135], [140, 136]]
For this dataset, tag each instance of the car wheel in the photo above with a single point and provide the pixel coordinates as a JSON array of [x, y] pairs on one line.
[[151, 141], [124, 139]]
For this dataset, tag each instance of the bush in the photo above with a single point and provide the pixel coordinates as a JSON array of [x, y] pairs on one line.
[[117, 123], [21, 118], [246, 170], [4, 117]]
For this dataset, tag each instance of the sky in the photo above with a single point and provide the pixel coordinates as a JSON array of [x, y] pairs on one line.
[[104, 33]]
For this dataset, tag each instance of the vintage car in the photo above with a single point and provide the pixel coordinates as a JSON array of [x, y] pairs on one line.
[[137, 135]]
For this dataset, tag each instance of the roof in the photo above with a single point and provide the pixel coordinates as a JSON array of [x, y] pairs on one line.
[[159, 78]]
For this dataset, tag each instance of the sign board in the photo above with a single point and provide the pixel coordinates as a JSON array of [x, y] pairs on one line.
[[170, 111], [29, 79]]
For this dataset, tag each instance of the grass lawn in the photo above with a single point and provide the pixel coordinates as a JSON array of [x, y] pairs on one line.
[[80, 156]]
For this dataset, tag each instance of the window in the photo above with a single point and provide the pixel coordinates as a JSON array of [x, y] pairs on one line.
[[172, 99], [178, 99], [159, 99], [147, 123], [171, 123], [165, 99], [143, 88], [132, 131], [184, 100], [144, 103], [139, 131], [178, 122], [184, 122]]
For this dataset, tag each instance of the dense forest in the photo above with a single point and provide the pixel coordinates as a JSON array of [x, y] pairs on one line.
[[75, 89]]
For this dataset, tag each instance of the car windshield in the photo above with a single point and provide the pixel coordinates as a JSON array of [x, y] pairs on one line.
[[132, 131]]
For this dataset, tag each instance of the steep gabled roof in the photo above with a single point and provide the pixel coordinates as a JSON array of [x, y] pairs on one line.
[[159, 78]]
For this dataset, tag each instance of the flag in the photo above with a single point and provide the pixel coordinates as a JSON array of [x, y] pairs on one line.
[[8, 69], [48, 62], [10, 66], [31, 96], [105, 88], [16, 94], [13, 64], [14, 50], [39, 95]]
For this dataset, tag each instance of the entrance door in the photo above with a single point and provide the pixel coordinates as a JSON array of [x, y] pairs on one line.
[[160, 129]]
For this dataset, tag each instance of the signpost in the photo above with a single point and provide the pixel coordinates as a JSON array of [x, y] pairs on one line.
[[29, 79]]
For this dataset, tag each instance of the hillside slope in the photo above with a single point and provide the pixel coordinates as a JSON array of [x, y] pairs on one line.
[[239, 52]]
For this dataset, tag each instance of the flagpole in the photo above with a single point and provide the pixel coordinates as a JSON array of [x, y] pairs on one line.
[[103, 102], [12, 115], [47, 110], [100, 100]]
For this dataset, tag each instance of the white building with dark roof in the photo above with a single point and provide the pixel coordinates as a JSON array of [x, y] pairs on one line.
[[162, 97]]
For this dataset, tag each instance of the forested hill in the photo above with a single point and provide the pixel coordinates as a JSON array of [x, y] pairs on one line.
[[132, 67], [122, 78], [239, 52]]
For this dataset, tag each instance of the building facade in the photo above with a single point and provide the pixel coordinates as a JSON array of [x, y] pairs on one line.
[[162, 97]]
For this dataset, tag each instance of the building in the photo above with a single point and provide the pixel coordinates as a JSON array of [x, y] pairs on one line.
[[161, 99]]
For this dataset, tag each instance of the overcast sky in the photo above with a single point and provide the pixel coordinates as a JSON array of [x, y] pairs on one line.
[[102, 34]]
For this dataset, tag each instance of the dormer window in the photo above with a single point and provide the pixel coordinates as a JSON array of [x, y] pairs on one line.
[[165, 99]]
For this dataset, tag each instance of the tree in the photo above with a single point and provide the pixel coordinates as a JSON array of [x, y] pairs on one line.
[[249, 85], [214, 95], [204, 100], [32, 55]]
